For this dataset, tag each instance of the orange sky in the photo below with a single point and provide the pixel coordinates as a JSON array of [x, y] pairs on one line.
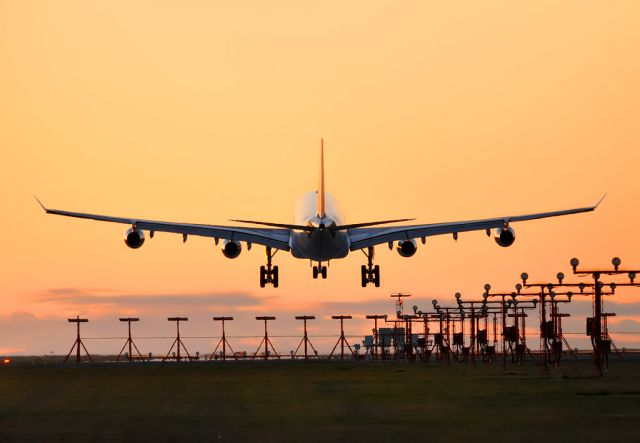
[[203, 112]]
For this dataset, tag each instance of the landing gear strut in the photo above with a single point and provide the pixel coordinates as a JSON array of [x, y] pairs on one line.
[[269, 274], [320, 270], [369, 272]]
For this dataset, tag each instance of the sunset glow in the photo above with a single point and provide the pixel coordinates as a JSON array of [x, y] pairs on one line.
[[215, 111]]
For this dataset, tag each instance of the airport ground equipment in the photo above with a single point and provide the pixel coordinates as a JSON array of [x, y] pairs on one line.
[[129, 342], [177, 344], [518, 337], [551, 337], [478, 312], [266, 341], [342, 341], [447, 317], [305, 339], [508, 333], [78, 343], [223, 343], [597, 328], [375, 342], [597, 325]]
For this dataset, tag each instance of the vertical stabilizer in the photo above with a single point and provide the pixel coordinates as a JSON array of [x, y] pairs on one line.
[[321, 209]]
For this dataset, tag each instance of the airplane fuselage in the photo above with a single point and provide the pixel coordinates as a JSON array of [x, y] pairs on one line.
[[322, 244]]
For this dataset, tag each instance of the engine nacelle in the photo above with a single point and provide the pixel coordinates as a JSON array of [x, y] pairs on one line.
[[505, 236], [407, 248], [231, 249], [134, 238]]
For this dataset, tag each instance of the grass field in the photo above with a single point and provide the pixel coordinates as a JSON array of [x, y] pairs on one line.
[[318, 401]]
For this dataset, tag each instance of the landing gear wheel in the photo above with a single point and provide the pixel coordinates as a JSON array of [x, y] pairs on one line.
[[269, 273], [263, 279], [274, 277], [370, 273], [315, 272], [324, 272]]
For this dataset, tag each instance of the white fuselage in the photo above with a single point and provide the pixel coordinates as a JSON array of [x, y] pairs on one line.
[[322, 244]]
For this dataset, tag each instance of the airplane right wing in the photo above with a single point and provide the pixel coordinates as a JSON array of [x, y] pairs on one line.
[[367, 237]]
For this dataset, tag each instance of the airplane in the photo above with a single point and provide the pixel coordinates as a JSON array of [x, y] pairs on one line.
[[319, 233]]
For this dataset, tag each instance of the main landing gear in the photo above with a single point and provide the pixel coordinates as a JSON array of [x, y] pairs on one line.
[[369, 272], [269, 274], [320, 270]]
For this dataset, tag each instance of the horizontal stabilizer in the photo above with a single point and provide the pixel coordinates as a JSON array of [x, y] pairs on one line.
[[376, 223], [277, 225]]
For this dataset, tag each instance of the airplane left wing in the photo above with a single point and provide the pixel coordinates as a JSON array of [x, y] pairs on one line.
[[367, 237], [274, 238]]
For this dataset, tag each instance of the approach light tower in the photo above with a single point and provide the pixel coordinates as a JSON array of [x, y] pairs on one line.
[[223, 341], [399, 302], [130, 343], [597, 325], [78, 342], [305, 339]]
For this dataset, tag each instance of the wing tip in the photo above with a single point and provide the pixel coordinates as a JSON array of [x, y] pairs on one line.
[[600, 201], [40, 203]]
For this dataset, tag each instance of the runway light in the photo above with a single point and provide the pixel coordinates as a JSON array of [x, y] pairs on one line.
[[574, 262], [6, 361], [524, 276], [616, 262]]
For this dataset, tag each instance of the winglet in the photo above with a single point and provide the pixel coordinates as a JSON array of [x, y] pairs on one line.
[[600, 201], [321, 203], [40, 203]]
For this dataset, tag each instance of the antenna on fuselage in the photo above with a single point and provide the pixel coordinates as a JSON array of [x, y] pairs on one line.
[[321, 207]]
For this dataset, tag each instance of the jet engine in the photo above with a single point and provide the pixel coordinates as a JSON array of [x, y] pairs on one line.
[[134, 238], [505, 236], [407, 248], [231, 249]]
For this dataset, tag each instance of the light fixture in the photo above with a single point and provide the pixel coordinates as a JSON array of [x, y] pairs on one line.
[[574, 262], [616, 262]]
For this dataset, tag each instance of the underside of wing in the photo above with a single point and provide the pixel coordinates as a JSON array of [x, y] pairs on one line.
[[274, 238], [367, 237]]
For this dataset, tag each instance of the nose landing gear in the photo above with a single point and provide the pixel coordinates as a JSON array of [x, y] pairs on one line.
[[269, 273], [369, 272], [320, 270]]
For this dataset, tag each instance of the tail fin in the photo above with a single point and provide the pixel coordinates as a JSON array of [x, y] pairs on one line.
[[321, 208]]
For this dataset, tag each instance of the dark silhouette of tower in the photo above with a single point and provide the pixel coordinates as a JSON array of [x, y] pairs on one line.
[[130, 343], [78, 342]]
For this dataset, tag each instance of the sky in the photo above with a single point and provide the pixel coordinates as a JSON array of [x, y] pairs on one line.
[[206, 111]]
